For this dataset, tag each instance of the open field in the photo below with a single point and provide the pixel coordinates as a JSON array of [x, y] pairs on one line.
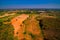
[[30, 25]]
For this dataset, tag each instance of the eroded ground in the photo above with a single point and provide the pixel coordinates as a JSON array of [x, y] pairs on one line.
[[29, 30]]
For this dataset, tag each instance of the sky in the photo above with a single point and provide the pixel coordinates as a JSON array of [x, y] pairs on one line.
[[7, 4]]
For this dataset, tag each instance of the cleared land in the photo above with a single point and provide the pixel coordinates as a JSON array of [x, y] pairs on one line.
[[17, 24]]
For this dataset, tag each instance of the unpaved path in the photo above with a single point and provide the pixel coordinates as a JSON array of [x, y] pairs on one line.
[[6, 14], [17, 24]]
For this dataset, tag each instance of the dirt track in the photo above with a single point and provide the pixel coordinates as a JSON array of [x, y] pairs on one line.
[[17, 24], [7, 15]]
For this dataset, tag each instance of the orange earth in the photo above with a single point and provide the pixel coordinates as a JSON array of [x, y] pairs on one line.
[[19, 28], [16, 22]]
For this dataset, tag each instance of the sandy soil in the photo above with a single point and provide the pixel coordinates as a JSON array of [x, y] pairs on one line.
[[17, 24], [6, 14], [20, 28]]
